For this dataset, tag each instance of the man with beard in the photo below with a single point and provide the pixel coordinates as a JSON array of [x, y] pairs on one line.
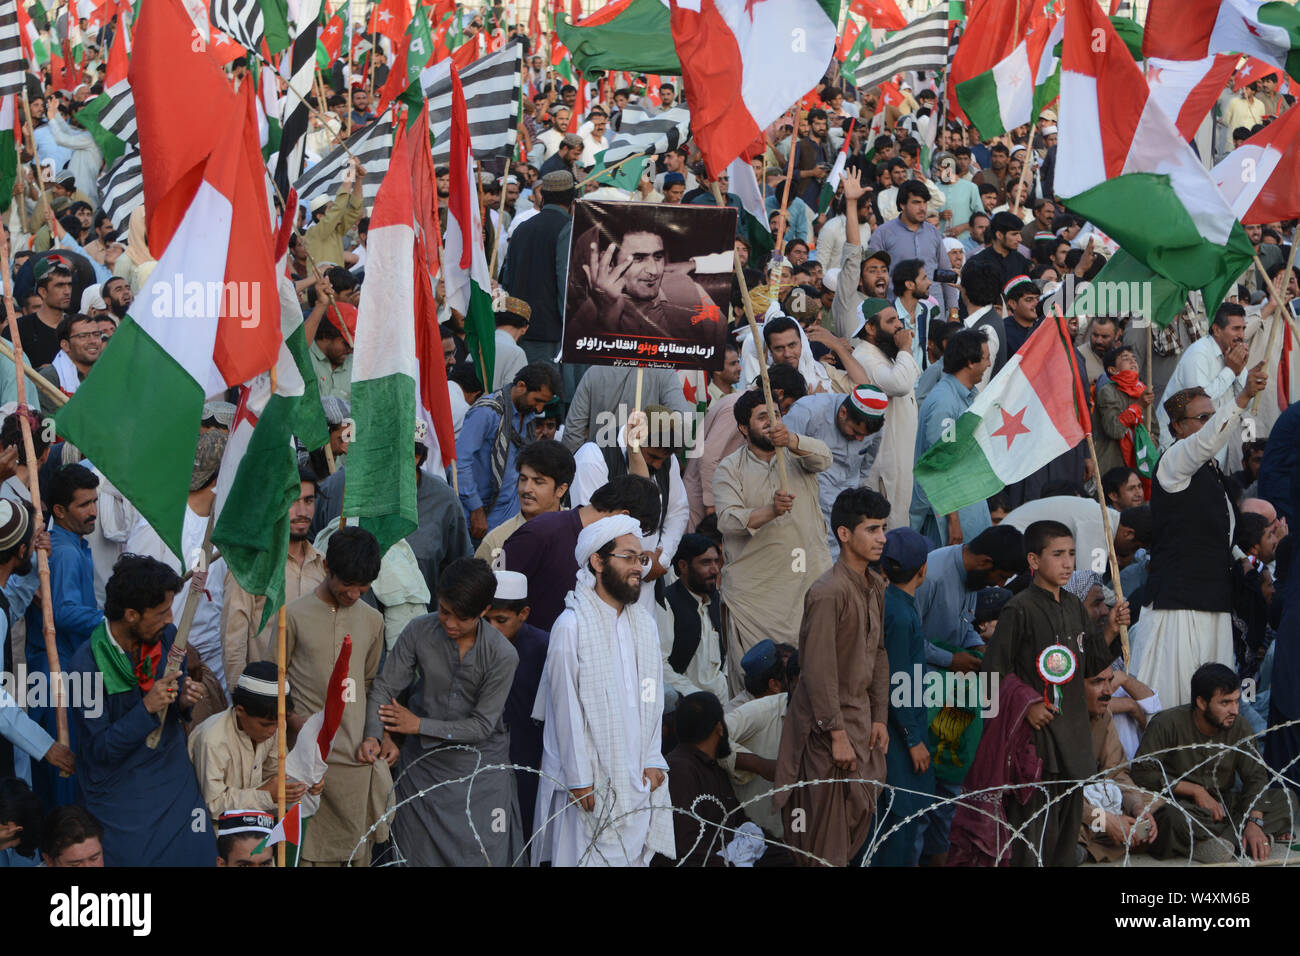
[[836, 724], [884, 351], [22, 740], [707, 808], [635, 289], [1116, 816], [1103, 335], [72, 499], [117, 296], [304, 568], [763, 525], [690, 621], [1193, 755], [147, 798], [601, 800], [648, 446], [80, 345], [850, 427], [209, 582], [316, 626], [871, 267]]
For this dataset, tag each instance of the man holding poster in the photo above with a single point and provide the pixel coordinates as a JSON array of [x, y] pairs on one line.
[[650, 283]]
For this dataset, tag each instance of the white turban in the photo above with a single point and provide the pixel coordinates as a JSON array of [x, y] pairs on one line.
[[949, 244], [598, 534]]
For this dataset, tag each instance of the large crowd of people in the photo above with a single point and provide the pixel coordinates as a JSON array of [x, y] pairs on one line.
[[665, 617]]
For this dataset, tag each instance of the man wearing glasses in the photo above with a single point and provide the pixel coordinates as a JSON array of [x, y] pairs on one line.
[[81, 342], [1188, 620], [601, 799]]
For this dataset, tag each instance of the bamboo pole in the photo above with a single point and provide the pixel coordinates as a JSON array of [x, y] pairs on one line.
[[36, 158], [772, 416], [1110, 547], [1151, 376], [1279, 315], [176, 656], [609, 169], [281, 722], [46, 387], [38, 518], [778, 252], [640, 377]]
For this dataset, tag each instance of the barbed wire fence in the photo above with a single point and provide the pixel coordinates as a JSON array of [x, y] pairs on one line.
[[606, 821]]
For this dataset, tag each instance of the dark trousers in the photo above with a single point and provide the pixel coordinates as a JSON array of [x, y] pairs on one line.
[[1050, 821]]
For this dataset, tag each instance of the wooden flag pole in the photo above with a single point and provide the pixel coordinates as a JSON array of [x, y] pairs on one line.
[[636, 405], [758, 346], [1110, 547], [48, 389], [21, 183], [36, 158], [1279, 315], [181, 644], [38, 518], [609, 169], [774, 287], [282, 744], [1026, 168], [1151, 374]]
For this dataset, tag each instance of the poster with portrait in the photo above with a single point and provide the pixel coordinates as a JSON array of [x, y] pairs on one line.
[[649, 285]]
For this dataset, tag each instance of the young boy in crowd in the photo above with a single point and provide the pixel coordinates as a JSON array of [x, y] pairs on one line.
[[508, 613], [907, 761], [1045, 615]]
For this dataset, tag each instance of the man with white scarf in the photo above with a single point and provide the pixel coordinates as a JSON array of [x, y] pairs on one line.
[[80, 345], [602, 799]]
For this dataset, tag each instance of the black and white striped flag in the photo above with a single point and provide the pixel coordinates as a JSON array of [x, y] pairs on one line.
[[12, 64], [121, 189], [241, 20], [491, 88], [118, 114], [302, 73], [372, 144], [921, 45], [645, 135]]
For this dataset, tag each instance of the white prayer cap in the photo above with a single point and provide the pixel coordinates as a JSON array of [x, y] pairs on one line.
[[91, 298], [949, 244], [830, 279], [600, 533], [1049, 130], [511, 586]]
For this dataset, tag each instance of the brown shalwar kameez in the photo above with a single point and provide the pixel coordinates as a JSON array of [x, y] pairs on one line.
[[843, 685], [1032, 621]]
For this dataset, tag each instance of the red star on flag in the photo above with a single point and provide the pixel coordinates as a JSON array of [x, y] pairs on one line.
[[1013, 425], [1250, 27], [1153, 73], [749, 8]]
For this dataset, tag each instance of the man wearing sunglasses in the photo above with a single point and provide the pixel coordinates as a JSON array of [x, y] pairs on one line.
[[1188, 621]]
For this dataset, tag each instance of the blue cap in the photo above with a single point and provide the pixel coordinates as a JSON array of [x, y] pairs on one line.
[[905, 550], [760, 658], [674, 179], [989, 603]]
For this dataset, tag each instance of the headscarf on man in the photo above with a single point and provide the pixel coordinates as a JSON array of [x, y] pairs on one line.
[[595, 536]]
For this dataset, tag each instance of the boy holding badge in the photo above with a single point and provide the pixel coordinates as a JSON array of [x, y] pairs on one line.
[[1045, 636]]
